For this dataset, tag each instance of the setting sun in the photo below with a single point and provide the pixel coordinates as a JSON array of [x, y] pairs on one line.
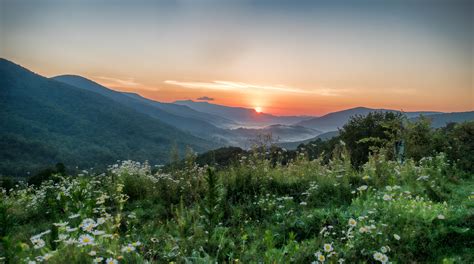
[[258, 109]]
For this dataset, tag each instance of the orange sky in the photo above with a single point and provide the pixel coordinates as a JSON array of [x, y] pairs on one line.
[[287, 57]]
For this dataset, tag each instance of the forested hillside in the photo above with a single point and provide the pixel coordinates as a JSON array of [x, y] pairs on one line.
[[45, 122]]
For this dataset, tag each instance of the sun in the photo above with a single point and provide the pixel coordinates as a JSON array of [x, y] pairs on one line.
[[258, 109]]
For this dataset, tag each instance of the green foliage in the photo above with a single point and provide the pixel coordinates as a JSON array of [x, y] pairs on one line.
[[419, 140], [460, 145], [363, 134], [261, 208]]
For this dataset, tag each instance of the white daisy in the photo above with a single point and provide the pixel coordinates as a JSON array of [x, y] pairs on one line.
[[327, 247], [86, 240]]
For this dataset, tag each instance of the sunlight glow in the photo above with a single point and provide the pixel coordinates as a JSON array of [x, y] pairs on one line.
[[258, 109]]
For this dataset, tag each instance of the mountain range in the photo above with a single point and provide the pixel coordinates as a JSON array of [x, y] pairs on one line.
[[244, 117], [44, 121], [79, 122], [334, 121]]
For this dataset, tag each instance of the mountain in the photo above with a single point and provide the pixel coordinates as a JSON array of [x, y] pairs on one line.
[[440, 120], [243, 116], [295, 144], [185, 111], [280, 133], [45, 121], [437, 120], [335, 120], [181, 117]]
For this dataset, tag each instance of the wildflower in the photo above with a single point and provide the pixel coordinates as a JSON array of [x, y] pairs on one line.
[[136, 244], [387, 197], [388, 188], [441, 217], [129, 248], [384, 259], [111, 261], [424, 178], [71, 229], [44, 233], [47, 256], [92, 253], [70, 241], [86, 240], [397, 237], [31, 262], [61, 237], [37, 242], [98, 232], [352, 222], [327, 247], [88, 224], [154, 240], [60, 224], [378, 256], [303, 203], [321, 258], [366, 177], [362, 188], [98, 260], [363, 229], [101, 220], [383, 249], [74, 216]]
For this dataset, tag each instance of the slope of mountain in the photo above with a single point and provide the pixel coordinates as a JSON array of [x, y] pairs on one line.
[[45, 121], [181, 117], [243, 116], [185, 111], [440, 120], [280, 133], [335, 120], [295, 144]]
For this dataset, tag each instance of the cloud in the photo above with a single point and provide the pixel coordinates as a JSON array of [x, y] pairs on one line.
[[123, 83], [205, 98], [234, 86], [128, 82]]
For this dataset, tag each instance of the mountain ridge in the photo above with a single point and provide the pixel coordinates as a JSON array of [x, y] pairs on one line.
[[45, 121], [333, 121]]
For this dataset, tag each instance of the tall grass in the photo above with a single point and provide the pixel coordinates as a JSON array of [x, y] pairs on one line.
[[251, 212]]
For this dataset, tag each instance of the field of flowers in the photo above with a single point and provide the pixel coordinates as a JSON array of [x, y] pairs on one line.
[[251, 212]]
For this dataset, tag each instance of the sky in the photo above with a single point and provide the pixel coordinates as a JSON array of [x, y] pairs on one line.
[[286, 57]]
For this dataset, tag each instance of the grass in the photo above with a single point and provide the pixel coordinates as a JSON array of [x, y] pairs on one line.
[[250, 212]]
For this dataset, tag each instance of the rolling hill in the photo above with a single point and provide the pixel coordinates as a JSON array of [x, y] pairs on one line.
[[181, 117], [335, 120], [295, 144], [280, 133], [45, 121], [243, 116], [440, 120]]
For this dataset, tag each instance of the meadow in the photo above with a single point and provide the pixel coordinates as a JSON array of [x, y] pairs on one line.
[[255, 210]]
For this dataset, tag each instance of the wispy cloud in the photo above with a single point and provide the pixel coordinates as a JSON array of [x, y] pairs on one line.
[[123, 83], [127, 82], [233, 86]]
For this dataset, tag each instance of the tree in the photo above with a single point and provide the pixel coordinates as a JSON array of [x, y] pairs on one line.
[[375, 131], [460, 148], [419, 139]]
